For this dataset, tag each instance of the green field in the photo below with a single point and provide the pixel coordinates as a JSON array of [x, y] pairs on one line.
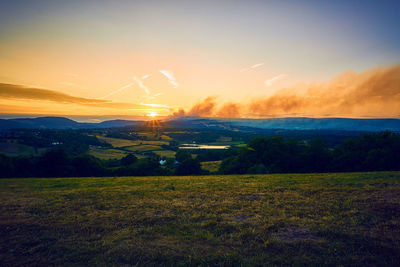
[[211, 166], [282, 219], [116, 142], [107, 153]]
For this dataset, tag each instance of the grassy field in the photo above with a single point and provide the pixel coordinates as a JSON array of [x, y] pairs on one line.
[[116, 142], [107, 153], [165, 153], [211, 166], [289, 219]]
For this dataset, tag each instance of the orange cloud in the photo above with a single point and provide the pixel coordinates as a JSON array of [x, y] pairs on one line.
[[12, 91], [371, 93]]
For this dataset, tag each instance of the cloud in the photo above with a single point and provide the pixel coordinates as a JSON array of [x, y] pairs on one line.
[[257, 65], [170, 77], [373, 93], [155, 105], [118, 90], [204, 108], [22, 92], [273, 80], [15, 92], [180, 113], [141, 85], [252, 67], [229, 110]]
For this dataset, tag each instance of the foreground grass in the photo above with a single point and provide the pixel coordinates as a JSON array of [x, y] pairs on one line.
[[302, 219]]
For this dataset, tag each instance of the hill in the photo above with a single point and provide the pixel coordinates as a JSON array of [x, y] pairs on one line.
[[291, 219], [60, 123], [346, 124]]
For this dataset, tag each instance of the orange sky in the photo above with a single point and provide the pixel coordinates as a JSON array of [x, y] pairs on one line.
[[255, 58]]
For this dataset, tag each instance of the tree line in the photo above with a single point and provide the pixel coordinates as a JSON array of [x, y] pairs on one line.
[[368, 152], [59, 163]]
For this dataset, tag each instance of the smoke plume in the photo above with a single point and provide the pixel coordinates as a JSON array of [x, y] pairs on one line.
[[373, 93]]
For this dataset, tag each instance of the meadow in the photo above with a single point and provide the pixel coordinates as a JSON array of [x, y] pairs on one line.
[[280, 219]]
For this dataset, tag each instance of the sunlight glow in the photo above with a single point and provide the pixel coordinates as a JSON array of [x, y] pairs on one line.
[[152, 114]]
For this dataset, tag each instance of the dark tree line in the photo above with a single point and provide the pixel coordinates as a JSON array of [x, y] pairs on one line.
[[369, 152], [58, 163]]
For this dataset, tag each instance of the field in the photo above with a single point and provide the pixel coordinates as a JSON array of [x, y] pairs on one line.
[[107, 153], [211, 166], [122, 147], [283, 219]]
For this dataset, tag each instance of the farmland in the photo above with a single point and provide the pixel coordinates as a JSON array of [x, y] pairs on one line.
[[303, 219]]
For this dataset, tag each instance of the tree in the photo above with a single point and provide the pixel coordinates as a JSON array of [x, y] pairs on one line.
[[6, 167], [88, 165], [188, 166], [182, 155], [128, 160], [55, 163]]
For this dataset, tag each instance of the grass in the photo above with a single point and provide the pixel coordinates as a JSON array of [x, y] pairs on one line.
[[116, 142], [142, 148], [151, 142], [283, 219], [107, 153], [211, 166], [165, 153]]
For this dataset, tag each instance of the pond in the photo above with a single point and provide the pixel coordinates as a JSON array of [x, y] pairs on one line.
[[195, 146]]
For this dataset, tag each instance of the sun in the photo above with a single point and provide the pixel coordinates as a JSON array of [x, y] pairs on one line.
[[152, 114]]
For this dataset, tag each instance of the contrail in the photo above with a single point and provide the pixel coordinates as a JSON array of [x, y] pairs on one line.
[[118, 90], [252, 67], [273, 80], [154, 105], [168, 74], [148, 95], [170, 77], [141, 85], [175, 84], [257, 65]]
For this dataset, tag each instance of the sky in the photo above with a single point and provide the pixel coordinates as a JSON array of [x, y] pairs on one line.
[[241, 58]]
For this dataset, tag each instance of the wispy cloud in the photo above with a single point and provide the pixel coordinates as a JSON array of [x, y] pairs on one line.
[[141, 85], [252, 67], [273, 80], [170, 77], [17, 92], [27, 92], [257, 65], [154, 105], [118, 90]]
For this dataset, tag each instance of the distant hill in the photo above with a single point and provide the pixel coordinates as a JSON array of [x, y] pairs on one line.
[[214, 123], [60, 123], [297, 123], [320, 124]]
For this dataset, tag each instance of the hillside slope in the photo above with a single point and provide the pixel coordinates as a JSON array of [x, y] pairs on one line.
[[291, 219]]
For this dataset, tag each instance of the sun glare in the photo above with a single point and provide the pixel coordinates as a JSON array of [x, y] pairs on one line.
[[152, 114]]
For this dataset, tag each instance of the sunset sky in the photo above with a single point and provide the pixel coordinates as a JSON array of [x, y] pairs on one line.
[[209, 58]]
